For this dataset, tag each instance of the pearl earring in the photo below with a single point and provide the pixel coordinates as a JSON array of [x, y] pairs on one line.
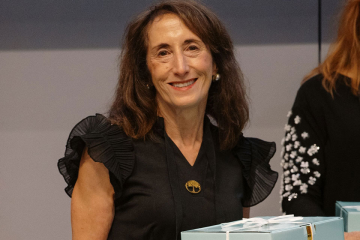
[[216, 77]]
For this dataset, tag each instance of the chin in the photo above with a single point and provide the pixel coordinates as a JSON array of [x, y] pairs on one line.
[[189, 103]]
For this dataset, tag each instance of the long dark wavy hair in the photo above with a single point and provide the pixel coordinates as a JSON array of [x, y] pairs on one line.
[[135, 106]]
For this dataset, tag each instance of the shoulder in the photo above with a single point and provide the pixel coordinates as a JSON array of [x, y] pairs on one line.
[[254, 155], [106, 143], [92, 123], [313, 82], [99, 134], [312, 94], [312, 88], [97, 125], [249, 147], [246, 146]]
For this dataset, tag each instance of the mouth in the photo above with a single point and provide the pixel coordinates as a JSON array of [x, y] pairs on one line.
[[183, 83]]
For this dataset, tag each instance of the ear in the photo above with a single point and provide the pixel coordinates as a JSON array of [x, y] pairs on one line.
[[215, 69]]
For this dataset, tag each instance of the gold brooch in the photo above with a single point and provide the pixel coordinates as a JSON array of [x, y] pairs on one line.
[[193, 186]]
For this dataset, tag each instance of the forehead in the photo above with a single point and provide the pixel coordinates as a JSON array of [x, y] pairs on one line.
[[168, 25]]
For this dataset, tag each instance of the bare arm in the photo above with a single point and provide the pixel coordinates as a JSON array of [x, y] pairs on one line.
[[246, 212], [92, 204], [352, 235]]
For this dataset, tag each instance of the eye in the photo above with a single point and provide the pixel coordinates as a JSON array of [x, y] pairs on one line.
[[193, 48], [163, 53]]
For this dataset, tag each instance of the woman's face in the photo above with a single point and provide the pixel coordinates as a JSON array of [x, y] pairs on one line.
[[180, 64]]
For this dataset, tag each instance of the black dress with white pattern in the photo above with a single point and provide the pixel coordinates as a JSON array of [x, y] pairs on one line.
[[321, 150]]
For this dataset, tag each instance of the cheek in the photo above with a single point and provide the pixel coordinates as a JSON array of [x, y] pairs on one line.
[[156, 68], [153, 69], [207, 64], [158, 72]]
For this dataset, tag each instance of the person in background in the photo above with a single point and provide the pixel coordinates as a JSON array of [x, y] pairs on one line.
[[171, 155], [320, 159]]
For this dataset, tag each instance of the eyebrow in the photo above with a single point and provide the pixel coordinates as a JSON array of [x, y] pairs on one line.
[[187, 41], [159, 46], [165, 45]]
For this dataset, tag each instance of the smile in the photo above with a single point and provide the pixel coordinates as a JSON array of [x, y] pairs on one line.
[[183, 84]]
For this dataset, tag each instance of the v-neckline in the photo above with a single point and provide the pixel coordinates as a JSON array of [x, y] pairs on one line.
[[206, 144], [176, 148], [198, 156], [176, 186]]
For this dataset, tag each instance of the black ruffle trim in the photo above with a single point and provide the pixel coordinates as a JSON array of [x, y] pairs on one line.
[[106, 143], [254, 155]]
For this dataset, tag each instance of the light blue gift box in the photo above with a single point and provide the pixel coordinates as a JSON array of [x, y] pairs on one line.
[[308, 228], [350, 211]]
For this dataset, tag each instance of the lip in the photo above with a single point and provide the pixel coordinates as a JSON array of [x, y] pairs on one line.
[[183, 88]]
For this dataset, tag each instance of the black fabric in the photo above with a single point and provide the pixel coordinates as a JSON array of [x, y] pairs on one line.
[[175, 185], [151, 200], [193, 215], [106, 143], [333, 127], [255, 155]]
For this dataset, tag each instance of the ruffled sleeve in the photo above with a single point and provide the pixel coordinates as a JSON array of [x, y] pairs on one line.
[[254, 155], [106, 143]]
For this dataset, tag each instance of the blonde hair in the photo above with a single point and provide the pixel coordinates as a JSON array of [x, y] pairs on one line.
[[344, 53]]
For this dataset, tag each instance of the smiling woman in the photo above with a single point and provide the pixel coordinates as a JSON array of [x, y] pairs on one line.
[[181, 68], [227, 99], [157, 166]]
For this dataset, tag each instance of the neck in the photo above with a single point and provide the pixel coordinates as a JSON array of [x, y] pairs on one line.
[[183, 126]]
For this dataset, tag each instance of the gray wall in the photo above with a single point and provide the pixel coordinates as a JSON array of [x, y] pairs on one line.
[[55, 69]]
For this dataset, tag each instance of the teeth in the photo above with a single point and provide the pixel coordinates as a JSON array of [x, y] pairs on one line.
[[180, 85]]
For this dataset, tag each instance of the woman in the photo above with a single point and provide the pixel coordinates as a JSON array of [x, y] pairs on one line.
[[321, 158], [157, 166]]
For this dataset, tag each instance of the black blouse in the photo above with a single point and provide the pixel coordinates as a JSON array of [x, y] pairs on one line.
[[151, 200]]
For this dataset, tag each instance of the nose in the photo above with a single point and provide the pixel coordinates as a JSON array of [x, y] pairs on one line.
[[180, 67]]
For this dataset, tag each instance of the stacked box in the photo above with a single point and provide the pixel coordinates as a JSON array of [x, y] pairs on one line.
[[308, 228], [350, 211]]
